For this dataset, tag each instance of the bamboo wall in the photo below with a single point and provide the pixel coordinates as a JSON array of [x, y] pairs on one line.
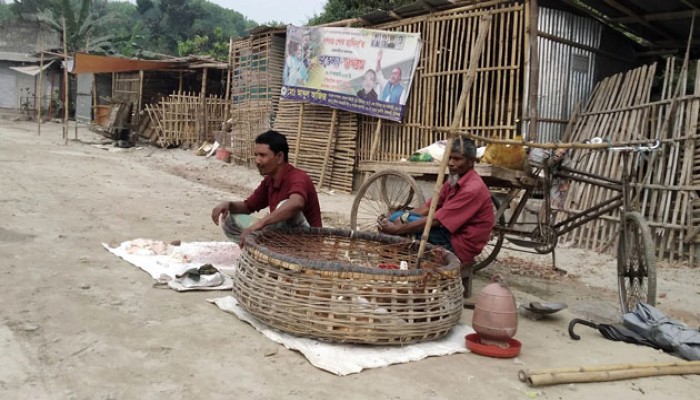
[[177, 120], [256, 63], [494, 106], [644, 104], [327, 154]]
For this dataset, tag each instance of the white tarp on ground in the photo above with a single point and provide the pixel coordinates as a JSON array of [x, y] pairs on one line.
[[165, 261]]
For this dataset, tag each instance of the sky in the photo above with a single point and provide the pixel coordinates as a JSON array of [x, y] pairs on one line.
[[295, 12]]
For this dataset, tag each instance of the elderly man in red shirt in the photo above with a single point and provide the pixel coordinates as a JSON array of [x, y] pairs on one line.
[[287, 190], [464, 216]]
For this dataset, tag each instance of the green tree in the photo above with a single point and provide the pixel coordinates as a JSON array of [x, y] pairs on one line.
[[337, 10], [82, 23], [5, 12]]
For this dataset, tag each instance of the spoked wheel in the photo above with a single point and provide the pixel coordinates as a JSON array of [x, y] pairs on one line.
[[490, 251], [636, 266], [382, 194]]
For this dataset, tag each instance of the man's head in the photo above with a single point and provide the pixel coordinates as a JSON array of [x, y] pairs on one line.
[[271, 152], [395, 76], [462, 156], [369, 80]]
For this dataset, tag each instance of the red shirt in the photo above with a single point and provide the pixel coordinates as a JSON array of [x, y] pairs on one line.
[[466, 210], [274, 189]]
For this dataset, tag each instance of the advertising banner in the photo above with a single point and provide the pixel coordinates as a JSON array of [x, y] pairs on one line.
[[365, 71]]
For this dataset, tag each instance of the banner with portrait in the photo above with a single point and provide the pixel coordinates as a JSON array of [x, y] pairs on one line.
[[366, 71]]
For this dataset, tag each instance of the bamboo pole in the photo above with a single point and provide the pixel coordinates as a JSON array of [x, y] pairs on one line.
[[41, 86], [607, 373], [227, 98], [299, 124], [468, 80], [65, 83], [534, 71], [331, 133], [375, 144]]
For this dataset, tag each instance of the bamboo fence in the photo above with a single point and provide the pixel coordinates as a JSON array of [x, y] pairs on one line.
[[176, 118], [257, 63], [634, 106], [494, 106], [325, 145]]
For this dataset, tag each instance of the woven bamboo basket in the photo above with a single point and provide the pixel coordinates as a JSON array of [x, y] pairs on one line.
[[345, 286]]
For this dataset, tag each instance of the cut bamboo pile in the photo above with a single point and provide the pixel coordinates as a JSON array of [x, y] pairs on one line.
[[626, 107], [606, 373], [257, 63], [175, 120], [309, 150], [495, 97]]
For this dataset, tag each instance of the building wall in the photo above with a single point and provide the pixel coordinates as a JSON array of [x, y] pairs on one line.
[[27, 37]]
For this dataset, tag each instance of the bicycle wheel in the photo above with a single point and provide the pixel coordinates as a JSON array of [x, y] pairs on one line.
[[382, 194], [490, 251], [636, 266]]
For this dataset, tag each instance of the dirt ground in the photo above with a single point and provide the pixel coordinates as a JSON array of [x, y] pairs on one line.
[[78, 323]]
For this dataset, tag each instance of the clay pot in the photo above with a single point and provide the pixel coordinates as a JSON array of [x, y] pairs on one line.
[[495, 316], [223, 155]]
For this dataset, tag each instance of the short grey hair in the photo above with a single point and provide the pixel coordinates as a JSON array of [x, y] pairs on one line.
[[464, 146]]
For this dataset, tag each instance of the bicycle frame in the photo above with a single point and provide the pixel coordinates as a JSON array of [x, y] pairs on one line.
[[620, 201]]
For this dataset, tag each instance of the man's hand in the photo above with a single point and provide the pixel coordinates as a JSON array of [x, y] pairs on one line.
[[255, 227], [220, 211], [388, 227]]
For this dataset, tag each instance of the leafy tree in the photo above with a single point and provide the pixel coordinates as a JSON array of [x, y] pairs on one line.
[[5, 12], [82, 23], [337, 10], [217, 48]]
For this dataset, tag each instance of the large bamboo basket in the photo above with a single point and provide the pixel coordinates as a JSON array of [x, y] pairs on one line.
[[327, 284]]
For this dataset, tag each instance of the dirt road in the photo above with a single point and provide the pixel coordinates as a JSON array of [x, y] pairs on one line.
[[78, 323]]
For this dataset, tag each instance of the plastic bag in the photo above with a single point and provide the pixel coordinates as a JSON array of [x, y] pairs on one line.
[[505, 155]]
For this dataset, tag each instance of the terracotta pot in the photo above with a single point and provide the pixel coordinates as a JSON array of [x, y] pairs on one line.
[[495, 316], [223, 155]]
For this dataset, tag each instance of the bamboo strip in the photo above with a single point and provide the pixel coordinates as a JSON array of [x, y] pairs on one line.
[[608, 376]]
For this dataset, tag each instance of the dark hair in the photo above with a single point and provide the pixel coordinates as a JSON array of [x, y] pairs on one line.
[[373, 72], [464, 146], [276, 141]]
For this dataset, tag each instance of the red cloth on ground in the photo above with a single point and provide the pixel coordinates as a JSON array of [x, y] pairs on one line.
[[466, 210], [272, 190]]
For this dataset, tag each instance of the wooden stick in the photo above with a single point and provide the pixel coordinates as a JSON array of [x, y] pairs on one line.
[[468, 79], [41, 86], [611, 375], [299, 125], [65, 83], [534, 72], [331, 134], [375, 143]]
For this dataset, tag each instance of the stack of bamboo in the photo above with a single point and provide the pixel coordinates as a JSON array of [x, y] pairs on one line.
[[629, 106], [327, 154], [256, 63], [176, 119]]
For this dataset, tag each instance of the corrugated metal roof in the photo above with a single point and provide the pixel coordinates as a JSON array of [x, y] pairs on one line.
[[663, 24]]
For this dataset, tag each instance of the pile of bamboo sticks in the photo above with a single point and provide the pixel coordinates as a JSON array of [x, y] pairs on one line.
[[256, 63], [630, 106], [322, 142], [177, 118], [606, 373]]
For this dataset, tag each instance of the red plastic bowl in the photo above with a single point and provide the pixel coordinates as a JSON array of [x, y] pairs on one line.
[[474, 344]]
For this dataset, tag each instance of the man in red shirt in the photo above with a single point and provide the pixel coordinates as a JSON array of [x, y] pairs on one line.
[[464, 216], [287, 190]]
